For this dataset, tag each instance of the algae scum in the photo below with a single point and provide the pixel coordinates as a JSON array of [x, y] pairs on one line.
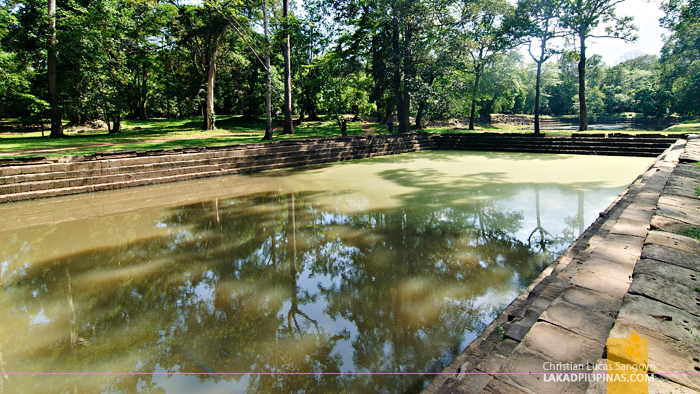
[[390, 264]]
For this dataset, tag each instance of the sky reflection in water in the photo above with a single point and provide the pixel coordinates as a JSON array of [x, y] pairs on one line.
[[392, 264]]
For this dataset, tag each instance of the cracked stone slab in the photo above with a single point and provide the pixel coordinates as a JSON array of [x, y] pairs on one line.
[[690, 205], [647, 197], [666, 291], [664, 223], [495, 386], [611, 269], [664, 319], [672, 256], [528, 374], [591, 300], [674, 360], [630, 227], [559, 344], [601, 284], [662, 386], [492, 363], [594, 326], [674, 241], [674, 273], [681, 188], [619, 251], [639, 211], [687, 169], [599, 387], [678, 214], [473, 384]]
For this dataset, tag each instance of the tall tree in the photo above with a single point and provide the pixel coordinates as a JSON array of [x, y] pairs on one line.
[[268, 76], [202, 30], [582, 17], [680, 59], [485, 37], [541, 27], [56, 123], [288, 127]]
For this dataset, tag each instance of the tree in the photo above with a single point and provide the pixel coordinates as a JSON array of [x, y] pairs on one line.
[[542, 26], [201, 30], [485, 37], [288, 127], [680, 58], [581, 18], [56, 121], [268, 76]]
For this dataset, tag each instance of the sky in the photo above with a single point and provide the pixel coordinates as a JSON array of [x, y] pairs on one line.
[[646, 16]]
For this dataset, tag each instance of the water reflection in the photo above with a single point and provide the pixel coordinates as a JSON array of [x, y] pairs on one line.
[[289, 279]]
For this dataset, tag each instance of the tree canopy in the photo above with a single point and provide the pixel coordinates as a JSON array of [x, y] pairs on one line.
[[411, 61]]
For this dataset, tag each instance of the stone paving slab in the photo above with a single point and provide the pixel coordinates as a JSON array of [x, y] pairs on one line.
[[574, 318], [671, 256], [674, 241], [664, 223], [668, 321], [673, 360], [667, 291], [674, 273], [524, 371]]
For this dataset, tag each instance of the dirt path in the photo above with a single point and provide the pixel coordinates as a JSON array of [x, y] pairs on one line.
[[365, 129]]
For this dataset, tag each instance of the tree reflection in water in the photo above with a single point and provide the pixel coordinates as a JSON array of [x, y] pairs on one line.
[[277, 283]]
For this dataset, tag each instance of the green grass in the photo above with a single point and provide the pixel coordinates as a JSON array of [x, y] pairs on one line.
[[692, 232], [689, 126], [156, 134], [161, 134]]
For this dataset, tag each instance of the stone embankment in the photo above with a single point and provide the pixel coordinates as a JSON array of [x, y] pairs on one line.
[[37, 178], [618, 277]]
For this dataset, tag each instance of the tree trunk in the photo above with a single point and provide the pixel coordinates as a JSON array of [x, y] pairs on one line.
[[288, 127], [422, 104], [388, 115], [583, 112], [117, 124], [537, 97], [396, 60], [56, 124], [476, 90], [419, 115], [268, 98], [211, 74], [404, 122]]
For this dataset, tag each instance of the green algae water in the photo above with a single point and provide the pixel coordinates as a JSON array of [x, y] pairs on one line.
[[285, 281]]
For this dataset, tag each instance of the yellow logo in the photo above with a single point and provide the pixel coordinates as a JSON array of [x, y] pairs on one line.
[[628, 364]]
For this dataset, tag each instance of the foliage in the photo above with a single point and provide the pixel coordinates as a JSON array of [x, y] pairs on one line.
[[430, 59], [680, 59]]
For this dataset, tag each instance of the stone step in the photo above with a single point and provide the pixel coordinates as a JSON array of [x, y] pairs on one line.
[[140, 165], [30, 190], [97, 161]]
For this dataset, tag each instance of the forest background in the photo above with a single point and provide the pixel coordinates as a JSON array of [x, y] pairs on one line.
[[70, 62]]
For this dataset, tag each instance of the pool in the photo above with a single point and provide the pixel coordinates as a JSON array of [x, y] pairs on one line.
[[359, 276]]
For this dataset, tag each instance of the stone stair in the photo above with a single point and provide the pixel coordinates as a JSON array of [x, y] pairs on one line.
[[42, 177], [645, 145]]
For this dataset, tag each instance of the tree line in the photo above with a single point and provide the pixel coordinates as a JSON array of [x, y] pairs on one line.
[[79, 60]]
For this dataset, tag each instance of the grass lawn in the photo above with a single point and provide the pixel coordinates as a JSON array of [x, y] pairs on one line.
[[161, 134], [690, 126], [180, 133]]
